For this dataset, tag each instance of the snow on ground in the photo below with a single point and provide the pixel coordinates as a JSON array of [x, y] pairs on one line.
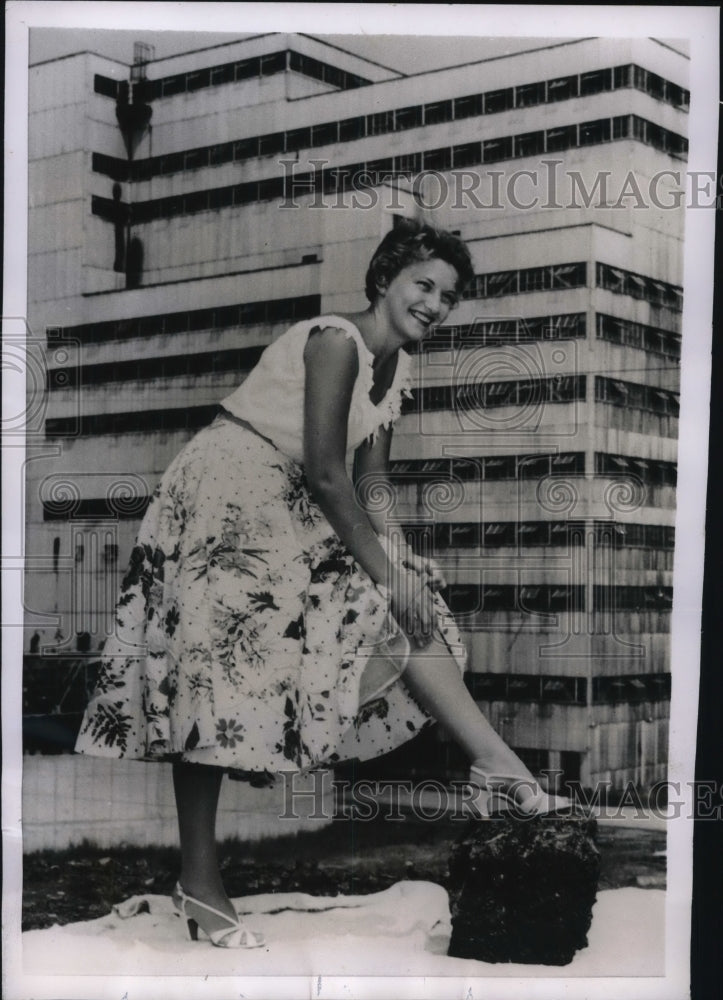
[[403, 931]]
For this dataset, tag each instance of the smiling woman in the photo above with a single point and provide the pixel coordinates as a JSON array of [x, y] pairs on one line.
[[267, 620]]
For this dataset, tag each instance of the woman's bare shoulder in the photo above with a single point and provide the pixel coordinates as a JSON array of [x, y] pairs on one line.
[[331, 345]]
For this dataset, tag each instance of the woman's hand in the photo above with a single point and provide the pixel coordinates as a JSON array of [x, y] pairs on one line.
[[413, 606], [427, 569]]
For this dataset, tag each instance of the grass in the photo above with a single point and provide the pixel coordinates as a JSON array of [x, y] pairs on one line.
[[83, 882]]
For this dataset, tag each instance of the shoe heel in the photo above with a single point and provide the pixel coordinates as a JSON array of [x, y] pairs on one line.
[[236, 935]]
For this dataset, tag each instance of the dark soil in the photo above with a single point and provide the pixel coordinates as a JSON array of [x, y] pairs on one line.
[[352, 858]]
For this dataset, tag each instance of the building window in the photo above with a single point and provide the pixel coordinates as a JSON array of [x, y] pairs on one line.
[[222, 74], [380, 123], [494, 150], [639, 286], [351, 128], [529, 94], [493, 332], [324, 135], [622, 76], [244, 149], [532, 279], [105, 86], [594, 133], [631, 334], [274, 62], [465, 535], [595, 82], [173, 85], [562, 88], [437, 112], [563, 276], [467, 107], [470, 599], [437, 159], [503, 467], [650, 471], [499, 100], [405, 118], [195, 81], [553, 276], [499, 534], [530, 144], [222, 153], [561, 138], [631, 688], [247, 68], [467, 155], [409, 163], [271, 144], [298, 138], [627, 598]]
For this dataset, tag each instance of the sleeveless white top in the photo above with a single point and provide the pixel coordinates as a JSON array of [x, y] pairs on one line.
[[271, 398]]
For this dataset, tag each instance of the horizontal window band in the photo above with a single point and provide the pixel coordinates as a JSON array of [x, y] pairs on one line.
[[552, 688], [269, 64], [487, 395], [381, 122], [488, 468], [567, 326], [471, 599], [636, 396], [428, 399], [355, 177], [240, 360], [639, 286], [630, 334], [100, 508], [189, 320], [184, 418], [522, 534], [653, 472]]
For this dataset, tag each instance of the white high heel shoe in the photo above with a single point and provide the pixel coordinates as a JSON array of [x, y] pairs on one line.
[[503, 799], [236, 935]]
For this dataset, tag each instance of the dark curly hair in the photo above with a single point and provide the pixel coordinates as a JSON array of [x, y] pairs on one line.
[[409, 242]]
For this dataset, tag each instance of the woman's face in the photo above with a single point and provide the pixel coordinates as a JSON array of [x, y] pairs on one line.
[[420, 298]]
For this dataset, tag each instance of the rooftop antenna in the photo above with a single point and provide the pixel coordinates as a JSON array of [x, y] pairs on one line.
[[142, 55]]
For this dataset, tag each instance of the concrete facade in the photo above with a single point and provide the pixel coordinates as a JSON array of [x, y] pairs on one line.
[[546, 409]]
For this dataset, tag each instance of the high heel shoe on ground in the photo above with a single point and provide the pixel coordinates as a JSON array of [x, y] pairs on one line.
[[502, 799], [236, 935]]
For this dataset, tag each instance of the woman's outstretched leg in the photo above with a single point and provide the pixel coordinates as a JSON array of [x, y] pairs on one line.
[[197, 789], [434, 679]]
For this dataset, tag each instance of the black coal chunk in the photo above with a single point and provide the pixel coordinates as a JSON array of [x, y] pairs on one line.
[[522, 890]]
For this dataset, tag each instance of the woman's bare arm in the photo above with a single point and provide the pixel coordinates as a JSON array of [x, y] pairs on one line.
[[331, 363]]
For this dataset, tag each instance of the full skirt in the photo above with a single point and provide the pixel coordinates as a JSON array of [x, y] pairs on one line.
[[246, 635]]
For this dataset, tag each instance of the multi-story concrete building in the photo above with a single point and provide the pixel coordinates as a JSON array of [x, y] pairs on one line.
[[184, 211]]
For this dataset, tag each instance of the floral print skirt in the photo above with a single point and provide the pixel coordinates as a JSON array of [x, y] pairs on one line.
[[246, 636]]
